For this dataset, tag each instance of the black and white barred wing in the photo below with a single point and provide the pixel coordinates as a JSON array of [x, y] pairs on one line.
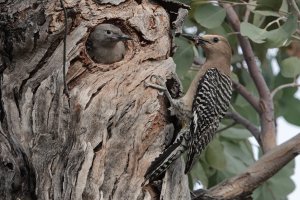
[[210, 105]]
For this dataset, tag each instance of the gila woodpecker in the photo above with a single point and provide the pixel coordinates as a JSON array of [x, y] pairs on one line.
[[201, 108], [105, 44]]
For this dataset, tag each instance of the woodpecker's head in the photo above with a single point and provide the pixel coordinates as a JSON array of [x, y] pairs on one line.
[[215, 46], [107, 35], [217, 51]]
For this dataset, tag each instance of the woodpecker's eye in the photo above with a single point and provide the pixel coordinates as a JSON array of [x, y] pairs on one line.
[[108, 32], [215, 39]]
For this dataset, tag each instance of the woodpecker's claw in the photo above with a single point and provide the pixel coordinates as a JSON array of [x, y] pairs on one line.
[[156, 82], [157, 79]]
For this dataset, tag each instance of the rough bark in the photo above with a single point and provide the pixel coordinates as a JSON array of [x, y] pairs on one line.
[[98, 144]]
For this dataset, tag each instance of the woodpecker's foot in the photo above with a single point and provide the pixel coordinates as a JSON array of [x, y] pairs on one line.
[[156, 82]]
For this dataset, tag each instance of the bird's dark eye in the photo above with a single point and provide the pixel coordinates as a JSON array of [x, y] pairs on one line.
[[108, 32], [215, 39]]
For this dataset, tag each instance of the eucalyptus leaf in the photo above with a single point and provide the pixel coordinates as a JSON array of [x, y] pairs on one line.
[[291, 110], [234, 157], [183, 59], [235, 133], [253, 32], [209, 16], [214, 155], [274, 38], [273, 5], [290, 67], [280, 36]]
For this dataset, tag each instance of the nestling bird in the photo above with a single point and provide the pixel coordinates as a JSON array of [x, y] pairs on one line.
[[201, 108], [105, 44]]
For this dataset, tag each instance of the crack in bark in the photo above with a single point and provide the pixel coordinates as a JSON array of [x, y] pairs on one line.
[[109, 134], [2, 111], [93, 96], [119, 84], [76, 181], [48, 112], [97, 148], [126, 110], [127, 162], [114, 188], [16, 99], [41, 63], [118, 179]]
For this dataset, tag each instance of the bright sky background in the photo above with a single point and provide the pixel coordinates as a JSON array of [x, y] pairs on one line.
[[285, 132]]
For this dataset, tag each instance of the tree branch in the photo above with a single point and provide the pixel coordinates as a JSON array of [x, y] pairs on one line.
[[246, 123], [268, 137], [268, 165], [247, 95]]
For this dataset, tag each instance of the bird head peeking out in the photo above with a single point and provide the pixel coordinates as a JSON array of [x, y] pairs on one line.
[[105, 44], [216, 48]]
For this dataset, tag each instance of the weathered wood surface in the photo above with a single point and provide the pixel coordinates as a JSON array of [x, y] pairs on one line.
[[100, 146]]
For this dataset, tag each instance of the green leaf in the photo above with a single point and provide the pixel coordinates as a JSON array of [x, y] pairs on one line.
[[254, 33], [235, 162], [291, 110], [273, 5], [290, 67], [284, 7], [209, 16], [234, 77], [274, 38], [235, 133], [183, 58], [280, 36], [279, 186], [214, 155]]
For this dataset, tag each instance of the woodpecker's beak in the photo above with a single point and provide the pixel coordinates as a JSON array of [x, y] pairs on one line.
[[124, 37], [198, 40]]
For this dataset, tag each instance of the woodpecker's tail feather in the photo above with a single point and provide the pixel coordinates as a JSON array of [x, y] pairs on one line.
[[190, 161], [164, 160]]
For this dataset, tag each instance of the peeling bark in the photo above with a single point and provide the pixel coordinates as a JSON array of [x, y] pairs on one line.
[[100, 146]]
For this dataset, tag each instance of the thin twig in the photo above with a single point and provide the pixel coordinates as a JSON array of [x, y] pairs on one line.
[[268, 136], [295, 37], [247, 14], [66, 90], [246, 123], [232, 33], [243, 3], [226, 127], [254, 101], [288, 85]]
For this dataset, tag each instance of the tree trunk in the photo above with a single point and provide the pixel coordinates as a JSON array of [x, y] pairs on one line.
[[99, 143]]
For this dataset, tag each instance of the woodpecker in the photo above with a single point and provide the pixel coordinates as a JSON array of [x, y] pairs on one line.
[[105, 44], [201, 108]]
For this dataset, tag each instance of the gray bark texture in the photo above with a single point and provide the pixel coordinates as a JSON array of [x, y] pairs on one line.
[[99, 143]]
